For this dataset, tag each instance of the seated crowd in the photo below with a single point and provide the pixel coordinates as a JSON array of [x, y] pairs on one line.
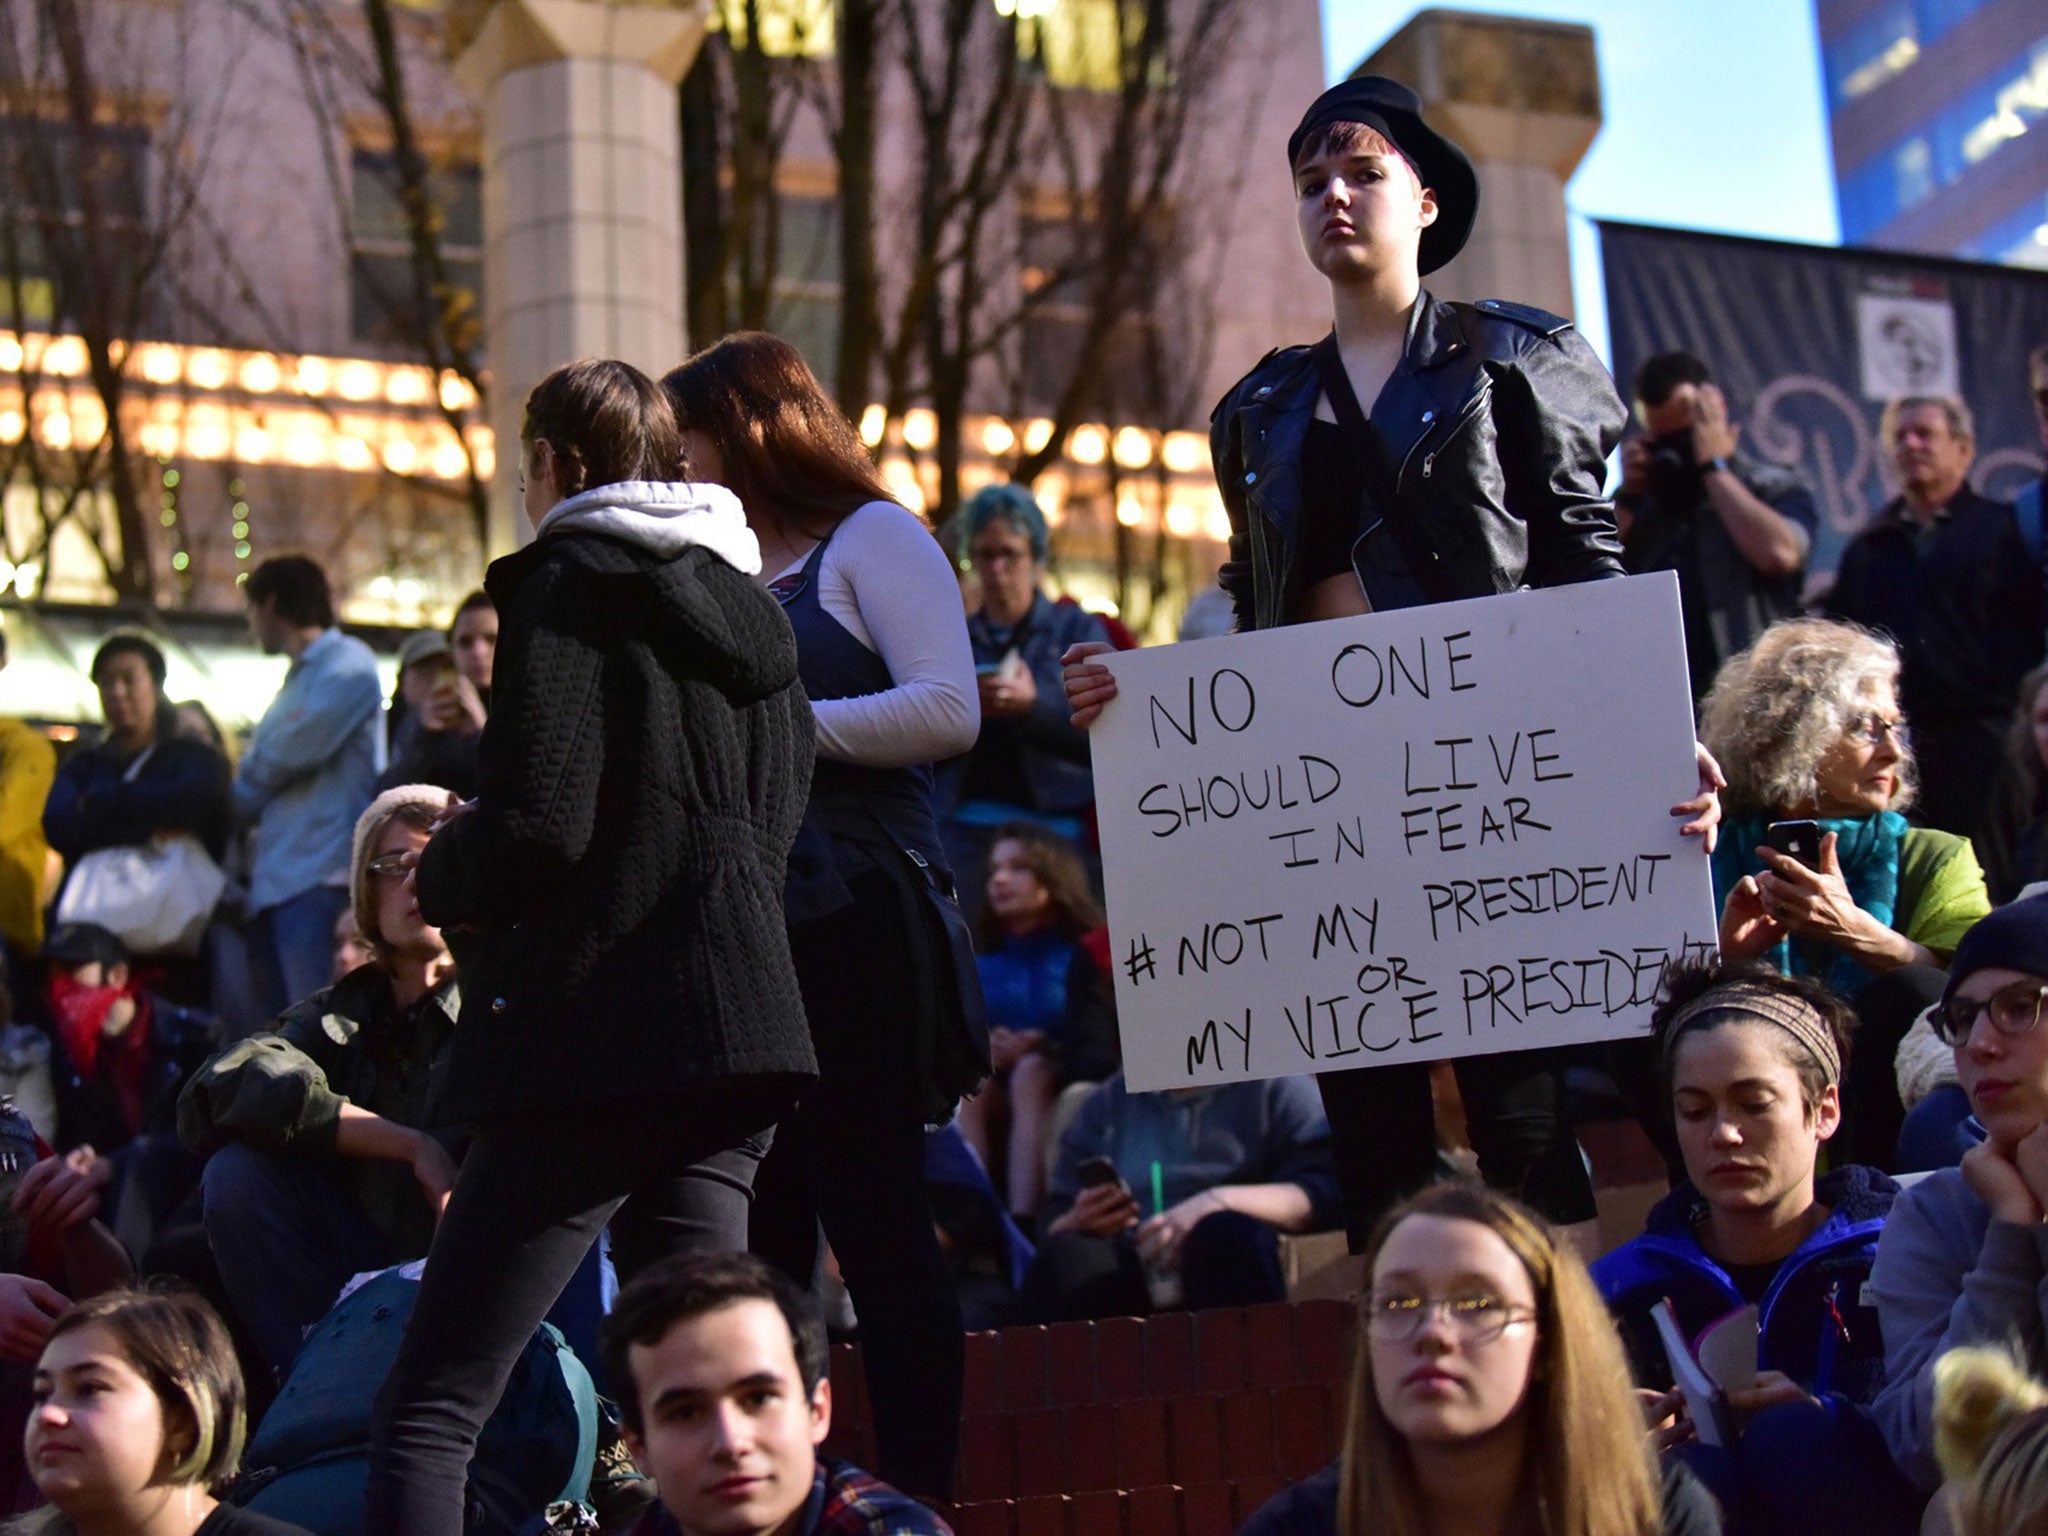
[[319, 1149], [254, 1100]]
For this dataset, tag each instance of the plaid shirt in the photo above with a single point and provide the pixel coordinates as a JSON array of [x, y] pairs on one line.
[[844, 1501]]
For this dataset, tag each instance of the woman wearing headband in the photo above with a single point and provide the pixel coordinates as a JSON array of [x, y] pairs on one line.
[[1752, 1065], [1423, 451]]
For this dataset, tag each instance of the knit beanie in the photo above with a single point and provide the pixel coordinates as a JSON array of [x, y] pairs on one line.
[[369, 832], [2013, 938]]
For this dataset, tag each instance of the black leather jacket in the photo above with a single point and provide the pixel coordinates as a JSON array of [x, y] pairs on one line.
[[1500, 418]]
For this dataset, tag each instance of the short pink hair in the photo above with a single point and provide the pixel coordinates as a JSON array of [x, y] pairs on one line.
[[1351, 139]]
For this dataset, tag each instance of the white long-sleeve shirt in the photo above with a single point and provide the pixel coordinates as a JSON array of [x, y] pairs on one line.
[[885, 579]]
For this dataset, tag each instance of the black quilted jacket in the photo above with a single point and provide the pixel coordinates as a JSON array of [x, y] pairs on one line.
[[642, 776]]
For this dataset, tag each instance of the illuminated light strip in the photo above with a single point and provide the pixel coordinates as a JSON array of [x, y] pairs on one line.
[[232, 431], [212, 369], [261, 408]]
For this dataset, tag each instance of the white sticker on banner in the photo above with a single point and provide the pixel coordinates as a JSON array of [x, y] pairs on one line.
[[1437, 832], [1907, 345]]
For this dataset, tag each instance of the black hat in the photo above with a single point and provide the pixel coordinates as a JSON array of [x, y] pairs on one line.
[[84, 944], [2013, 938], [1390, 109]]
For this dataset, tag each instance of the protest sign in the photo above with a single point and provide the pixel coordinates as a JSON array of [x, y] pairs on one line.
[[1436, 832]]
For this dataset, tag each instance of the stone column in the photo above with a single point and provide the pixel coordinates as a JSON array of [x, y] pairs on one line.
[[1522, 98], [583, 227]]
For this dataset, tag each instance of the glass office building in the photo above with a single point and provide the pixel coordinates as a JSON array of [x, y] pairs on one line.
[[1938, 111]]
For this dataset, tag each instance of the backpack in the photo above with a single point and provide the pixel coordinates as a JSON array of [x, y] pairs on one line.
[[309, 1461]]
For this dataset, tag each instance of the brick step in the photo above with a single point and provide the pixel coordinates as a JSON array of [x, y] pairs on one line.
[[1145, 1442], [1179, 1423], [1170, 1355], [1180, 1509]]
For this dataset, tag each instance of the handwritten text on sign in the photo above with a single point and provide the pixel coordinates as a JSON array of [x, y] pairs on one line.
[[1431, 833]]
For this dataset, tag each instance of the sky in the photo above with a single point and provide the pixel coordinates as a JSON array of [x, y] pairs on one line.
[[1713, 118]]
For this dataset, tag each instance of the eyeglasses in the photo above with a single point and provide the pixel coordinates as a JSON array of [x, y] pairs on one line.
[[390, 866], [1872, 728], [1477, 1319], [2012, 1010]]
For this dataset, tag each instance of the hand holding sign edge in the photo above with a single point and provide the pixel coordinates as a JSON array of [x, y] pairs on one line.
[[1089, 684]]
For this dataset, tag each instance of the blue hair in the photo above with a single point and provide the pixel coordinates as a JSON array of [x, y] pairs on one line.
[[1011, 503]]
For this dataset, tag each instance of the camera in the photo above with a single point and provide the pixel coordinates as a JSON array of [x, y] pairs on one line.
[[1673, 465]]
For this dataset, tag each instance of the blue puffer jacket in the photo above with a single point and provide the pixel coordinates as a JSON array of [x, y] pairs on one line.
[[1816, 1326]]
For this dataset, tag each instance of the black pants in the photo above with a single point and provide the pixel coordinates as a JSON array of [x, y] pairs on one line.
[[1383, 1135], [852, 1157], [535, 1190], [1229, 1260]]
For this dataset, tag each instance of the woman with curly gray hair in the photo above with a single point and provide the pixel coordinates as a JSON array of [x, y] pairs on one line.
[[1806, 723]]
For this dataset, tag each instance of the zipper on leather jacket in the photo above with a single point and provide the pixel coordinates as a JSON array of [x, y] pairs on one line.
[[1472, 408]]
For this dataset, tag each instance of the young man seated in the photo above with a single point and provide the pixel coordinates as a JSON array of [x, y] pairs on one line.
[[329, 1150], [1752, 1069], [1228, 1169], [719, 1365]]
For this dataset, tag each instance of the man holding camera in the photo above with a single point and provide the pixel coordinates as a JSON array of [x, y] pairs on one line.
[[1735, 529]]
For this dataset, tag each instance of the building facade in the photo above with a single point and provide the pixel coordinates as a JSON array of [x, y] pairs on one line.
[[1938, 113], [279, 377]]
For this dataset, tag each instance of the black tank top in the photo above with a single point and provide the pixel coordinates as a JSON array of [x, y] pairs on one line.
[[1329, 503]]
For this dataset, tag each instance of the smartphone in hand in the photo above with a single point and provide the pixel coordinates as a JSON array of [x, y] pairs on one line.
[[1097, 1171], [1796, 840]]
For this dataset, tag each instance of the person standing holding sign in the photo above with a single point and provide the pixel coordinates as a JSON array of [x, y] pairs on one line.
[[1423, 451]]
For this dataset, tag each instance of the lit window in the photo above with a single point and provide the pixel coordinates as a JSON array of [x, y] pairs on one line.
[[46, 243], [2018, 104], [1913, 171], [1873, 73], [1872, 52], [1076, 42], [803, 306], [1056, 253], [385, 308], [790, 29]]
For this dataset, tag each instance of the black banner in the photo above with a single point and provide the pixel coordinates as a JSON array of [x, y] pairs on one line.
[[1810, 341]]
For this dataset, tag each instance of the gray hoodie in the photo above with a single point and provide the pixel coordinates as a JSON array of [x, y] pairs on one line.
[[1947, 1275], [662, 517]]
